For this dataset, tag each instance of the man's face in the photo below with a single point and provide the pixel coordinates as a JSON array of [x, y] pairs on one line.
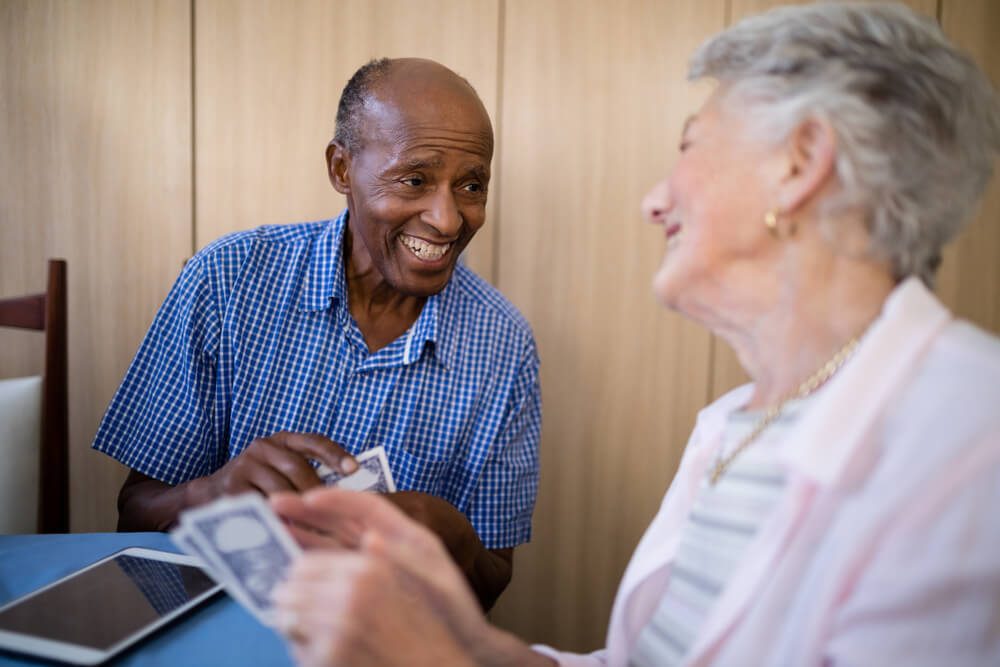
[[416, 187]]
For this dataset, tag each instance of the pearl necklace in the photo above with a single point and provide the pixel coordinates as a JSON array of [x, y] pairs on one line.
[[811, 384]]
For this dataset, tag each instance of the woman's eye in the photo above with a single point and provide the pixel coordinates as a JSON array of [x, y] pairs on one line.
[[684, 146]]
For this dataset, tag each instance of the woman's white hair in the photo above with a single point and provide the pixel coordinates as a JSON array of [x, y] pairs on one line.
[[917, 122]]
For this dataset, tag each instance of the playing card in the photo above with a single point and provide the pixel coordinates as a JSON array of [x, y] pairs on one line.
[[246, 545], [186, 542], [373, 473]]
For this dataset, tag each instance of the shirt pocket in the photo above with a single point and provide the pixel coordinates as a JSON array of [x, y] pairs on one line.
[[416, 469]]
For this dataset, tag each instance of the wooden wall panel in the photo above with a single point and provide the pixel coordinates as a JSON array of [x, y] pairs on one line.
[[969, 278], [743, 8], [95, 131], [268, 75], [593, 100]]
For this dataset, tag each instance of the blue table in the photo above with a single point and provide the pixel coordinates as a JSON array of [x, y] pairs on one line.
[[215, 634]]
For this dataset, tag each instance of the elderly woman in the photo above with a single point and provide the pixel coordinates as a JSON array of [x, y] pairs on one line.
[[842, 508]]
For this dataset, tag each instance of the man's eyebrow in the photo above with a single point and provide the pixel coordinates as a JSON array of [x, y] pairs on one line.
[[420, 163]]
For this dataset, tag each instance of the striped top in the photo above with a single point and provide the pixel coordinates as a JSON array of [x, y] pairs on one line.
[[723, 522]]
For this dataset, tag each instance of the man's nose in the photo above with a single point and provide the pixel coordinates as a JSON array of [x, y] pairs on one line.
[[656, 203], [442, 214]]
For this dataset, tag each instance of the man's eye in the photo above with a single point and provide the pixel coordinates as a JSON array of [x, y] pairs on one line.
[[474, 187], [413, 181]]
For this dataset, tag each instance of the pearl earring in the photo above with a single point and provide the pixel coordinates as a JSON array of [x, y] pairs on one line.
[[771, 222]]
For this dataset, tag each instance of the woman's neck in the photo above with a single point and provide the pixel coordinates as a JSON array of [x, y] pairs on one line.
[[808, 319]]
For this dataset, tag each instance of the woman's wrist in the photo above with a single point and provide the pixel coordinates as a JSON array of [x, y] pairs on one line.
[[493, 647]]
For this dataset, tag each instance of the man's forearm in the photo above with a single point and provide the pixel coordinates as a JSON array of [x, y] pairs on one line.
[[487, 571], [145, 503]]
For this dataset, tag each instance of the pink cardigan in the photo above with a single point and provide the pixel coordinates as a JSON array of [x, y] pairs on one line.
[[885, 549]]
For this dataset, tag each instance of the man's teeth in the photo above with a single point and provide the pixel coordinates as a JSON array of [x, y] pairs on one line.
[[423, 249]]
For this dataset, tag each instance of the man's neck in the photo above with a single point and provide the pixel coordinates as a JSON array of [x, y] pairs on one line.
[[381, 312]]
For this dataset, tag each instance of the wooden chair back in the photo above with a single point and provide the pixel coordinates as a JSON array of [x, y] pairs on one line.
[[47, 312]]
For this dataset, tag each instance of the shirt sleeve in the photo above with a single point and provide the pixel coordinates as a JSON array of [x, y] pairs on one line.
[[502, 504], [595, 659], [164, 420], [930, 595]]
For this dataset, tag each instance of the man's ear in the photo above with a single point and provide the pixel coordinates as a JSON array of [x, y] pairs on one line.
[[811, 151], [338, 163]]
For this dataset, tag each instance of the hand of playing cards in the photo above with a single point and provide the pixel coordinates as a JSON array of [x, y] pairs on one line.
[[247, 549], [243, 546]]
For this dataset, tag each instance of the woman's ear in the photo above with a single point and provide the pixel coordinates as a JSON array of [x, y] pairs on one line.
[[811, 155], [338, 162]]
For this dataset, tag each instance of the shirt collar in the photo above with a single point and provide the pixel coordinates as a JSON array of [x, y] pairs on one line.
[[324, 282], [325, 287], [711, 421], [422, 334], [826, 445]]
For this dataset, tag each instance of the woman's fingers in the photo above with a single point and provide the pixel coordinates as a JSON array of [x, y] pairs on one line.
[[353, 520], [315, 528], [346, 530], [355, 608], [336, 518], [349, 518], [371, 510]]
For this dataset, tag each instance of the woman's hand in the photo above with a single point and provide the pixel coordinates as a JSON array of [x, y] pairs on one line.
[[354, 608], [375, 573], [377, 588]]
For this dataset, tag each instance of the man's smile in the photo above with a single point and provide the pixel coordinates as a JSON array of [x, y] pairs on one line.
[[424, 250]]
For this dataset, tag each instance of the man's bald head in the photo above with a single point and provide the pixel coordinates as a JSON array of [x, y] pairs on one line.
[[397, 81]]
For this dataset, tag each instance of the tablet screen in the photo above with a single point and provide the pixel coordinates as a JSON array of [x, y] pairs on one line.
[[103, 605]]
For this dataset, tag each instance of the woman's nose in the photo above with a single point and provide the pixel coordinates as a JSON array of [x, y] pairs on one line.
[[656, 204]]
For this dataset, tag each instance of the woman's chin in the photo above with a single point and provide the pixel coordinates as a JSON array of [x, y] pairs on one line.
[[682, 291], [667, 287]]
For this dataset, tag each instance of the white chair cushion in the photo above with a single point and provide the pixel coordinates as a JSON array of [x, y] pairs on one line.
[[20, 442]]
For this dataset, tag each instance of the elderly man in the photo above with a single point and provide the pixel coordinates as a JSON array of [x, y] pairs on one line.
[[317, 341]]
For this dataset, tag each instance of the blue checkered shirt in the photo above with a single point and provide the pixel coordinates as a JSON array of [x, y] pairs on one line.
[[256, 337]]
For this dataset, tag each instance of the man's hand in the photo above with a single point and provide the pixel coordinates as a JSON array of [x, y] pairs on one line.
[[279, 462]]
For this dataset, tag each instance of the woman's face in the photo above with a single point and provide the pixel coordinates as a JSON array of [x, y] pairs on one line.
[[711, 208]]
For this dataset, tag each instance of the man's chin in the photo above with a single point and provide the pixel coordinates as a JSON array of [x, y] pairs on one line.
[[417, 279], [424, 286]]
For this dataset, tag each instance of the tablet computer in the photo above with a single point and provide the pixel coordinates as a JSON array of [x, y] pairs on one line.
[[93, 613]]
